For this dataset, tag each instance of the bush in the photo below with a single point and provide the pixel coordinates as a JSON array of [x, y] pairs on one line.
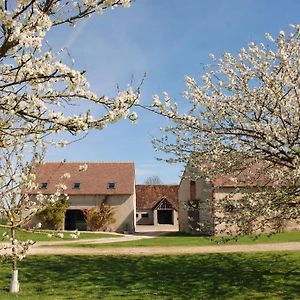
[[3, 220], [99, 217], [53, 215]]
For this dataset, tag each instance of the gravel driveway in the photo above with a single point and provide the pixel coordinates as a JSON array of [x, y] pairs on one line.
[[46, 248], [36, 250]]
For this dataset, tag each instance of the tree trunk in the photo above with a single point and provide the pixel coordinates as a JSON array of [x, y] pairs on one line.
[[14, 283]]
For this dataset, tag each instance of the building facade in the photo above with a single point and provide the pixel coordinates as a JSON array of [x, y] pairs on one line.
[[202, 202], [157, 205], [110, 183]]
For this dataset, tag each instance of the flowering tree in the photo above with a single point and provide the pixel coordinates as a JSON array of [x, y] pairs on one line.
[[37, 94], [17, 180], [244, 113], [35, 85], [19, 199]]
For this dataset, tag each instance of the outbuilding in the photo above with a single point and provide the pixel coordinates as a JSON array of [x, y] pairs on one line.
[[157, 205]]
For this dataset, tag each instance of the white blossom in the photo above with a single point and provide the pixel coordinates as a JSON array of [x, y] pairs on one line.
[[83, 168], [244, 113], [60, 235], [66, 176], [36, 87]]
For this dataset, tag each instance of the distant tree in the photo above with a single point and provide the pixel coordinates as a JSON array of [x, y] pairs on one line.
[[153, 180]]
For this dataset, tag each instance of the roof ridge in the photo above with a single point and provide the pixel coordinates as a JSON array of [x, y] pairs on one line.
[[167, 184], [88, 162]]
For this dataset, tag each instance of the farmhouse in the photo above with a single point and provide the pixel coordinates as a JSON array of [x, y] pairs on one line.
[[197, 212], [157, 204], [109, 183], [189, 205]]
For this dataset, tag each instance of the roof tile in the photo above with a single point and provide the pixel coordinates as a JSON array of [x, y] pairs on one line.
[[93, 181], [148, 196]]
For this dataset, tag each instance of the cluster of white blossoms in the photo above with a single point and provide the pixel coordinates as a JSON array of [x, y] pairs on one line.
[[83, 168], [60, 235], [246, 110], [66, 176], [75, 234], [106, 3], [36, 86], [20, 248]]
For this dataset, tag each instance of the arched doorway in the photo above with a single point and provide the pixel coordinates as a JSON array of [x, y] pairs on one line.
[[165, 212], [74, 219]]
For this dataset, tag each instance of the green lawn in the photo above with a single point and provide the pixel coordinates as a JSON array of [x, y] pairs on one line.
[[42, 235], [273, 275], [178, 239]]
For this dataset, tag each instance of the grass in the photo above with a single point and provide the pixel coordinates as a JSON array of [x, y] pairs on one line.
[[179, 239], [42, 235], [273, 275]]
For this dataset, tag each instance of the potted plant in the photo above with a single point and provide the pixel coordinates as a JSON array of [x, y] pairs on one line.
[[126, 228]]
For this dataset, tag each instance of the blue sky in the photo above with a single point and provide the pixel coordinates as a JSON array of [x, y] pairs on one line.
[[167, 39]]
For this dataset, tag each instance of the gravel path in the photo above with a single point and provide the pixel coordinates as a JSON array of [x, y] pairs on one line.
[[48, 249], [36, 250]]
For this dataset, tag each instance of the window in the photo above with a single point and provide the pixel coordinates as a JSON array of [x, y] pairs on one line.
[[145, 215], [43, 185], [136, 215], [76, 185], [111, 185]]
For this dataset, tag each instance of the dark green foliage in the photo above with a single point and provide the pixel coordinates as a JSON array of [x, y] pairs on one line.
[[3, 220], [53, 215]]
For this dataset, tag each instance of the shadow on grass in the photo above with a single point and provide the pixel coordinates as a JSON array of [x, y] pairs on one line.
[[213, 276]]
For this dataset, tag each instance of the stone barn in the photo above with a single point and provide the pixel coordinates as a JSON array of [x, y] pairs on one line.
[[157, 204]]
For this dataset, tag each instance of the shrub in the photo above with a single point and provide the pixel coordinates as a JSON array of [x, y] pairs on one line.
[[99, 217], [54, 214], [3, 220]]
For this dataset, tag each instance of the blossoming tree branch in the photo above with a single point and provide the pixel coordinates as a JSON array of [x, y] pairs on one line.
[[245, 112], [35, 84]]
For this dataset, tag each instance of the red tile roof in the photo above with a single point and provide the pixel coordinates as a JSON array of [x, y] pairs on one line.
[[253, 176], [93, 181], [148, 196]]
